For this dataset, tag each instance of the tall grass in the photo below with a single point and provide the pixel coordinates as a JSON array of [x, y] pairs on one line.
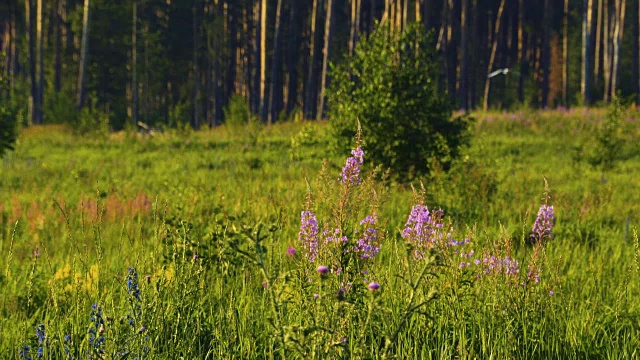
[[187, 245]]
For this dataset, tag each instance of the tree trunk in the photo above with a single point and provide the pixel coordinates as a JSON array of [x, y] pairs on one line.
[[522, 52], [492, 57], [28, 5], [310, 87], [57, 52], [134, 64], [263, 60], [255, 83], [83, 55], [565, 54], [546, 53], [293, 47], [355, 25], [606, 58], [636, 55], [40, 59], [195, 122], [617, 40], [464, 29], [328, 33], [275, 90], [585, 83], [598, 64]]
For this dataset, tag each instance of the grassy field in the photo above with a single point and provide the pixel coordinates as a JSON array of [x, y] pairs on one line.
[[191, 245]]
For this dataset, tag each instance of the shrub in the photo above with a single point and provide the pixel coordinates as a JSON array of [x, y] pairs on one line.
[[389, 85], [240, 122], [8, 117]]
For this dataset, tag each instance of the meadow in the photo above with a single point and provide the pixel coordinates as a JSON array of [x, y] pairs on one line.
[[265, 243]]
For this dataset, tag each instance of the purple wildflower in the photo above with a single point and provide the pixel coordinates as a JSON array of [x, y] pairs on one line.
[[351, 170], [291, 251], [309, 234], [373, 286], [423, 229], [322, 270], [545, 221], [366, 245]]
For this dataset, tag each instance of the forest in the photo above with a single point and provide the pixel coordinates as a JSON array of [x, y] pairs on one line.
[[167, 62]]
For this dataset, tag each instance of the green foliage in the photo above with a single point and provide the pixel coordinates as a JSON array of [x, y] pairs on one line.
[[609, 139], [91, 121], [240, 122], [390, 87], [9, 114]]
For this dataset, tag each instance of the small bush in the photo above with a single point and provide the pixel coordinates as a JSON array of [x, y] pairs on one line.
[[9, 116], [240, 122], [390, 87]]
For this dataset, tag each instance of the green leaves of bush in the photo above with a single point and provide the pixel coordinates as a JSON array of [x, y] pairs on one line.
[[389, 85]]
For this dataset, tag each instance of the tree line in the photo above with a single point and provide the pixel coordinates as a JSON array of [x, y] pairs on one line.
[[181, 61]]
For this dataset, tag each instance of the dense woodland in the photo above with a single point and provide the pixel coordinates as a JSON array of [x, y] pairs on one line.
[[178, 61]]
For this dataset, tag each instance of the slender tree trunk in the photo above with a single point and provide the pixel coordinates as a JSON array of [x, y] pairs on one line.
[[565, 54], [293, 47], [492, 57], [13, 48], [195, 122], [546, 53], [617, 40], [255, 61], [636, 53], [134, 64], [310, 87], [597, 57], [585, 83], [355, 25], [328, 33], [28, 5], [275, 91], [57, 57], [40, 55], [83, 55], [606, 59], [522, 52], [263, 60], [464, 29]]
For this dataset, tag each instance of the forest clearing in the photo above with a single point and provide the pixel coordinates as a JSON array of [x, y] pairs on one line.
[[191, 245]]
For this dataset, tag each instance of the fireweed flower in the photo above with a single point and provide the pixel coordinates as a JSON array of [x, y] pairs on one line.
[[545, 221], [373, 286], [322, 270], [423, 229], [366, 244], [309, 234], [351, 170]]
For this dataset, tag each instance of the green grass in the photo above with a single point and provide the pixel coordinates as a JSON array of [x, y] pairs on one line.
[[206, 217]]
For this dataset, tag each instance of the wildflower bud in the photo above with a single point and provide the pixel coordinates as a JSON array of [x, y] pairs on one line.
[[265, 284], [101, 330], [148, 278], [142, 329], [373, 286], [291, 252], [323, 271]]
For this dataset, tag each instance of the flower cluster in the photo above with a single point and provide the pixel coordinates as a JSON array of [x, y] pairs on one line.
[[309, 234], [351, 170], [132, 284], [366, 245], [40, 334], [423, 229], [545, 221], [96, 339]]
